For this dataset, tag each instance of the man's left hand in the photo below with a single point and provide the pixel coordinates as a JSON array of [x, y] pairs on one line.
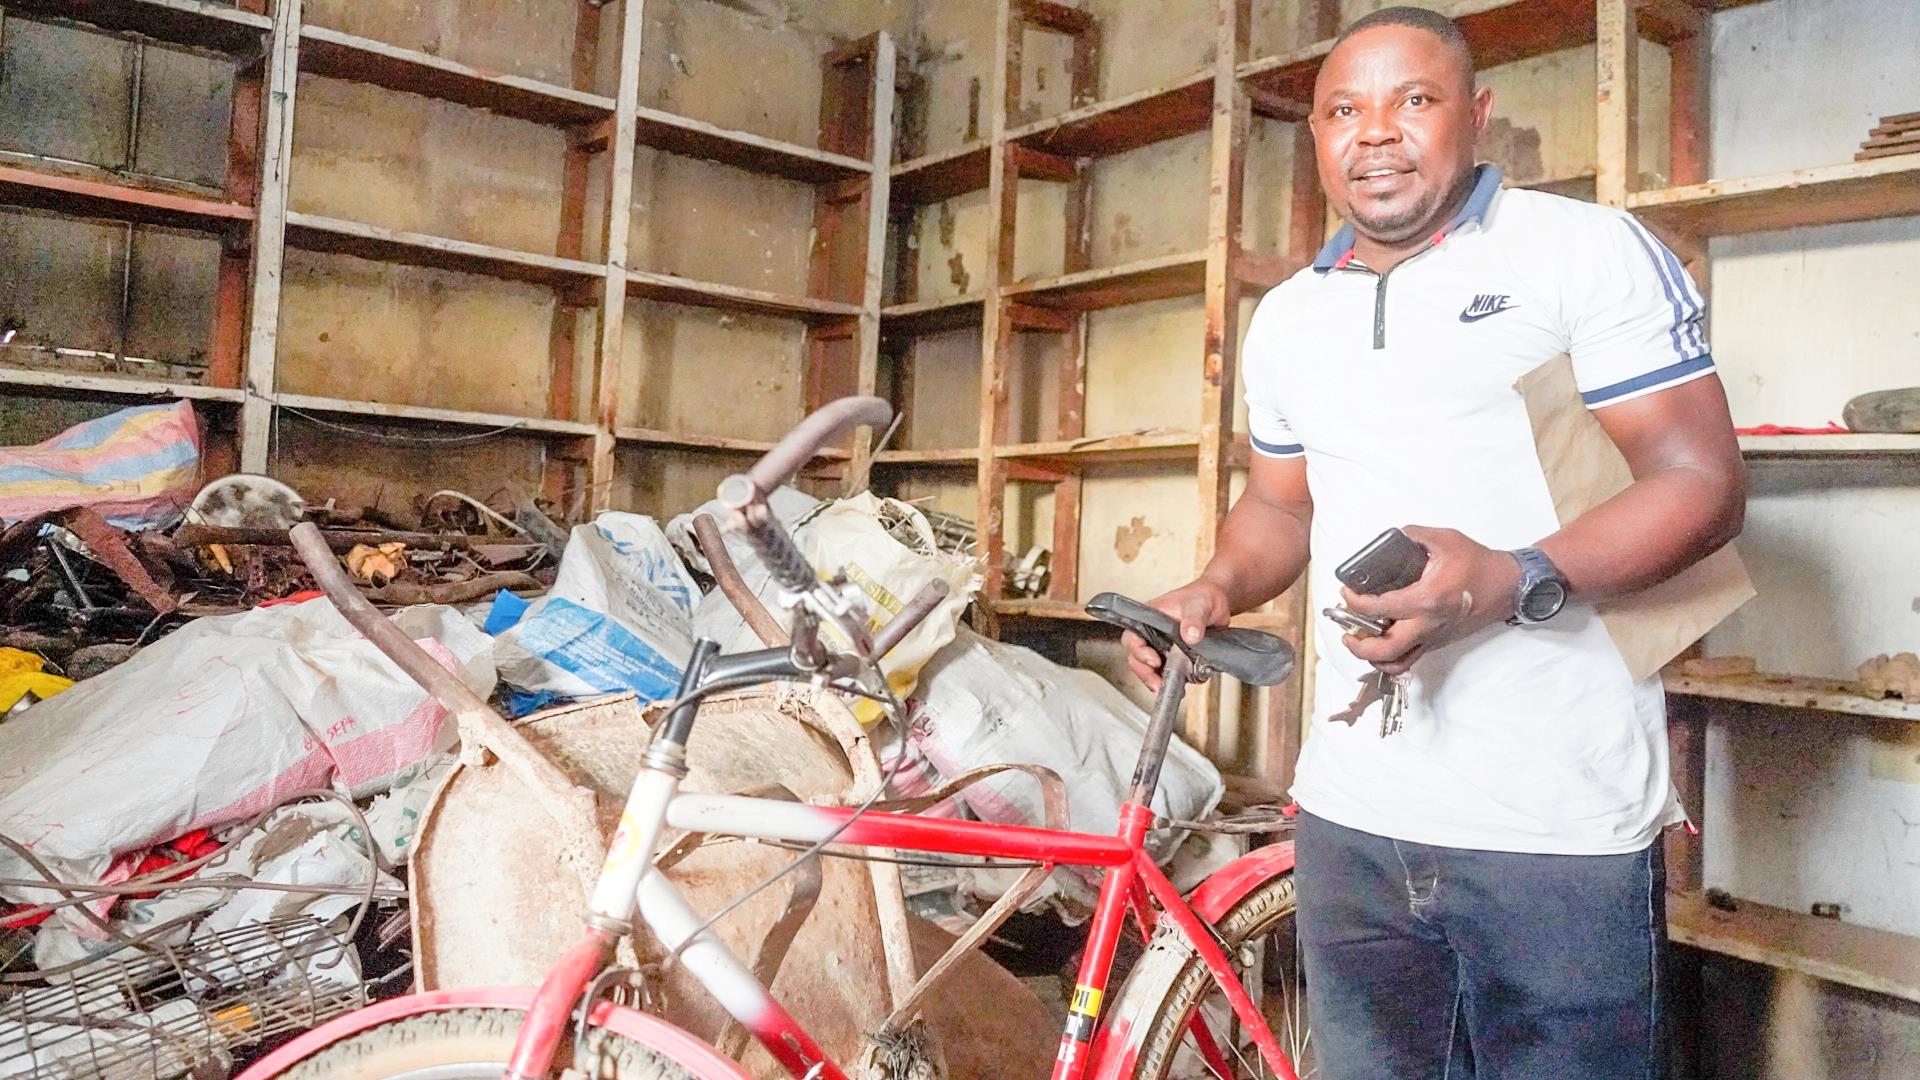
[[1465, 587]]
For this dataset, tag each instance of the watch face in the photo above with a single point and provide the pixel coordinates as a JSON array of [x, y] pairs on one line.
[[1543, 601]]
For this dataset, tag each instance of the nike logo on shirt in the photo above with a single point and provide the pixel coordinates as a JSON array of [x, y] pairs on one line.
[[1486, 304]]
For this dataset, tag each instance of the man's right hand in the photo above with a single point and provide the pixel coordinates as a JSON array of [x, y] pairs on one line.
[[1198, 606]]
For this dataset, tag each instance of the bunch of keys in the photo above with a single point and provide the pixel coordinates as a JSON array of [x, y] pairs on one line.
[[1389, 690]]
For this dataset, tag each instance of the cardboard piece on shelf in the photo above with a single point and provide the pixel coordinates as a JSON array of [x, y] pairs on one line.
[[1583, 469]]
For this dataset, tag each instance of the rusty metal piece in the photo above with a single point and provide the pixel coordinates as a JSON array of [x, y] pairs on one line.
[[109, 546], [902, 624], [480, 726], [406, 593], [338, 539], [1053, 795], [706, 532]]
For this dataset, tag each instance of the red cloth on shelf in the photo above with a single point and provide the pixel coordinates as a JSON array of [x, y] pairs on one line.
[[1776, 429]]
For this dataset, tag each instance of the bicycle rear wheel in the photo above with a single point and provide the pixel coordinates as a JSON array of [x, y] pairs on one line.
[[470, 1044], [1170, 987]]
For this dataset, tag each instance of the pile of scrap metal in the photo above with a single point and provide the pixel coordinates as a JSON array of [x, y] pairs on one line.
[[104, 551]]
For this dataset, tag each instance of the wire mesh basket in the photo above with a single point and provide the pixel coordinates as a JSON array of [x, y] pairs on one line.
[[181, 1010]]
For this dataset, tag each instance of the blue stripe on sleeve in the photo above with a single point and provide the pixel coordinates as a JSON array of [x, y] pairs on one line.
[[1695, 305], [1660, 271], [1653, 379], [1277, 449]]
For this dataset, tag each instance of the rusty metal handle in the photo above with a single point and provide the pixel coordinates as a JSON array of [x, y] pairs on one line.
[[477, 720], [706, 532], [902, 624], [746, 493], [822, 426]]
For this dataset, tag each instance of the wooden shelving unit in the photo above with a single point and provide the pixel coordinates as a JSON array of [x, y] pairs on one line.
[[1828, 447], [344, 408], [939, 176], [851, 169], [337, 55], [313, 232], [1829, 949], [1687, 214], [84, 197], [1826, 195], [115, 386], [1793, 692], [236, 29]]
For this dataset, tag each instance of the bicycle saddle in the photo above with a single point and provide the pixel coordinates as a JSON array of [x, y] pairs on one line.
[[1253, 657]]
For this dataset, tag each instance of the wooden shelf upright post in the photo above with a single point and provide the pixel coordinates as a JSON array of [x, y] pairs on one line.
[[623, 145], [996, 328], [270, 237]]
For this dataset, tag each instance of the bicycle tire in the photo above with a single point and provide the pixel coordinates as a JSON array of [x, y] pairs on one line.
[[1170, 981], [465, 1044]]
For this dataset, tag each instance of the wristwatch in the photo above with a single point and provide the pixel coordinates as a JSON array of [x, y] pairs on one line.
[[1542, 591]]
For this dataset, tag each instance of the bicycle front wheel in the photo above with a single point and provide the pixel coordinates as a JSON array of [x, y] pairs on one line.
[[471, 1044], [1185, 1030]]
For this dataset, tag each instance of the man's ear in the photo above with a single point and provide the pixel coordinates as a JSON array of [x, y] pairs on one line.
[[1482, 109]]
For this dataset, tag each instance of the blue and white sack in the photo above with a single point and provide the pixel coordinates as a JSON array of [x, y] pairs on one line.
[[619, 617]]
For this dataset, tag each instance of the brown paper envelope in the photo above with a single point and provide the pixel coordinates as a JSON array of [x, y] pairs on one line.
[[1584, 469]]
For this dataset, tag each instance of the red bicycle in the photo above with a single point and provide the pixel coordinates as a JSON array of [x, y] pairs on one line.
[[1190, 998]]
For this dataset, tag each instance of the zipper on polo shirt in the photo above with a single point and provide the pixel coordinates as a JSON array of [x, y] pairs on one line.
[[1380, 312], [1379, 300], [1380, 285]]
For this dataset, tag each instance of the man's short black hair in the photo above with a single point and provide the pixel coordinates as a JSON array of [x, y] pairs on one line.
[[1432, 22]]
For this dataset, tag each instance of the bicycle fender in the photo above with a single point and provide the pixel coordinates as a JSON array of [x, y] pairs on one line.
[[1231, 883], [676, 1044]]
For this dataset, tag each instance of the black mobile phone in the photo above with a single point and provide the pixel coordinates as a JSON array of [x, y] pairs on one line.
[[1393, 560]]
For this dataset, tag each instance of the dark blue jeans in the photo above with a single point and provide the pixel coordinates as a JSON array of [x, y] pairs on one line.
[[1430, 963]]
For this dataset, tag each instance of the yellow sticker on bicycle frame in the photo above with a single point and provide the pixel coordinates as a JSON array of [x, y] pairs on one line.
[[1086, 1001]]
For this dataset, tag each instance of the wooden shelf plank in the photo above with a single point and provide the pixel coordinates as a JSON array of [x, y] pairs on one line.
[[647, 285], [1180, 274], [1126, 123], [939, 176], [931, 316], [60, 382], [639, 436], [1070, 611], [118, 202], [1169, 445], [312, 232], [1861, 445], [1824, 195], [1500, 31], [1859, 956], [531, 426], [337, 55], [1792, 692], [188, 24], [744, 150], [967, 456]]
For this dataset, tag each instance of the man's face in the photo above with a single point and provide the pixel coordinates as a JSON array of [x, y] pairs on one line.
[[1395, 116]]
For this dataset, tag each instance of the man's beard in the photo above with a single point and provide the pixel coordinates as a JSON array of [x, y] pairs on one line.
[[1399, 226], [1395, 226]]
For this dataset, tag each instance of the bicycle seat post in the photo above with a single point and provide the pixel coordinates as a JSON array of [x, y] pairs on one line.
[[1175, 670]]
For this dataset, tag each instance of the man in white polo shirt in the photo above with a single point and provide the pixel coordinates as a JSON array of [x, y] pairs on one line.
[[1480, 890]]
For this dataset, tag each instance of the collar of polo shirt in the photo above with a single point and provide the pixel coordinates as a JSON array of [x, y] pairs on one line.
[[1338, 251]]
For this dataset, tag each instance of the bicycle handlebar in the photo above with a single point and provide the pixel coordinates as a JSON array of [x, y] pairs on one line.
[[746, 493]]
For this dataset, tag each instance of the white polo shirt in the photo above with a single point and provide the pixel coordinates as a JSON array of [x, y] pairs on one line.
[[1399, 391]]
